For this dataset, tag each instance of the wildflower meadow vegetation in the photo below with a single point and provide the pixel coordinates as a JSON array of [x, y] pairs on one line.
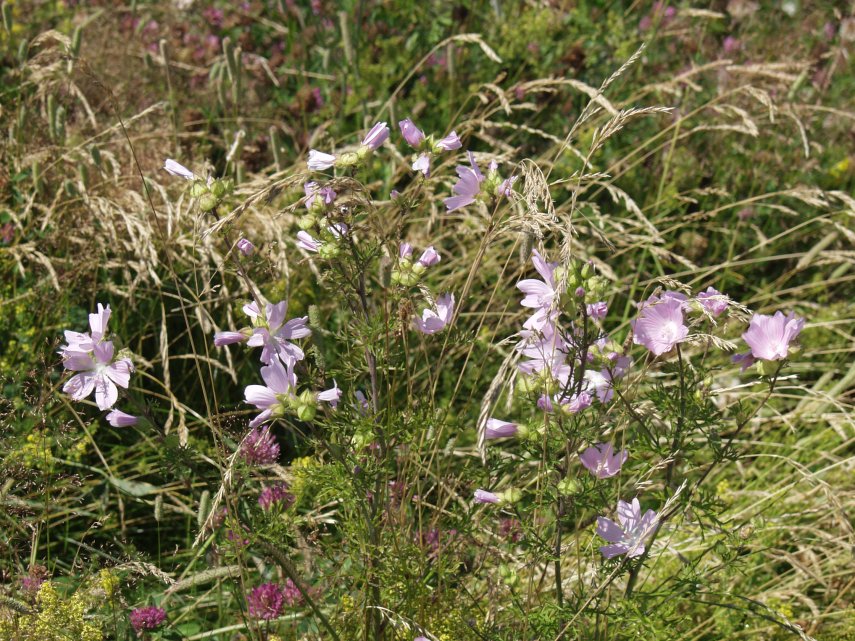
[[427, 321]]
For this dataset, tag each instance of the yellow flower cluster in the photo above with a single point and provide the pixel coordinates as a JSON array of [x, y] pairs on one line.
[[55, 620]]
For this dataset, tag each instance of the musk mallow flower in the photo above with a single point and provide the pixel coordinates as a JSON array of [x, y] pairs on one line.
[[331, 396], [306, 242], [597, 311], [630, 537], [376, 136], [500, 429], [432, 321], [422, 164], [412, 134], [318, 197], [769, 337], [245, 247], [659, 326], [98, 372], [602, 460], [85, 342], [483, 496], [318, 160], [713, 301], [177, 169], [540, 294], [274, 334], [118, 418], [449, 143], [274, 396], [429, 257], [468, 185]]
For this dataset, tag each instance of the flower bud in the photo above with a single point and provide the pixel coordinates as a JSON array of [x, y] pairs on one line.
[[218, 188], [307, 222], [567, 487], [512, 495]]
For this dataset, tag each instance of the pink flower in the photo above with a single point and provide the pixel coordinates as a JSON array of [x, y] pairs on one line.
[[422, 164], [449, 143], [602, 460], [229, 338], [597, 311], [177, 169], [144, 619], [539, 294], [660, 326], [314, 192], [744, 360], [245, 247], [97, 372], [376, 136], [280, 383], [429, 257], [467, 187], [118, 418], [306, 242], [273, 495], [483, 496], [431, 321], [331, 396], [714, 301], [85, 342], [318, 160], [412, 134], [500, 429], [631, 535], [260, 447], [274, 334], [769, 337], [265, 602]]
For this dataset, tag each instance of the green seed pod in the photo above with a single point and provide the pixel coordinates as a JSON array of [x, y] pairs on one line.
[[204, 508], [198, 189], [218, 188], [208, 202]]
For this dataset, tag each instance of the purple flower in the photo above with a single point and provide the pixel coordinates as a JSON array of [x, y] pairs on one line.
[[273, 495], [274, 334], [431, 321], [745, 360], [265, 602], [177, 169], [85, 342], [97, 372], [228, 338], [500, 429], [412, 134], [769, 337], [467, 187], [246, 248], [631, 535], [376, 136], [150, 618], [291, 593], [306, 242], [331, 396], [313, 193], [422, 164], [539, 294], [660, 326], [449, 143], [118, 418], [597, 311], [318, 160], [405, 250], [602, 460], [260, 447], [429, 257], [483, 496], [280, 384], [714, 301]]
